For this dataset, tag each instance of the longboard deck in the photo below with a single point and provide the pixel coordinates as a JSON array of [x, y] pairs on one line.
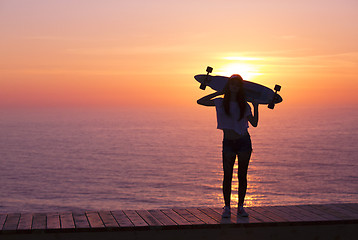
[[253, 91]]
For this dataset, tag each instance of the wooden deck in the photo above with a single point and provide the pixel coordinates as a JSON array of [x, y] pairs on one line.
[[330, 221]]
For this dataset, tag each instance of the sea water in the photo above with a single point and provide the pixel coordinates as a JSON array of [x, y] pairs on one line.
[[108, 159]]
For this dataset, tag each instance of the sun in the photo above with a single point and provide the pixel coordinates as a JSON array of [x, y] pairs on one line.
[[247, 71]]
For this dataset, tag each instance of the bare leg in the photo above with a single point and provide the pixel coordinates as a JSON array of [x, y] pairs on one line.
[[243, 160], [228, 166]]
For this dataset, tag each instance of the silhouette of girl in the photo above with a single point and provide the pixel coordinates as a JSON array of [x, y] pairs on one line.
[[233, 115]]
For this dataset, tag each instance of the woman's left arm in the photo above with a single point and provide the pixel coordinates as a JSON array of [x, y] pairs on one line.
[[254, 119]]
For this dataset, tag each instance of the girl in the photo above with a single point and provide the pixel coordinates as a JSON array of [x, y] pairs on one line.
[[233, 115]]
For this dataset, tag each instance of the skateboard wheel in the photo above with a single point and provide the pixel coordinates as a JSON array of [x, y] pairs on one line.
[[277, 88], [209, 69], [202, 86], [271, 106]]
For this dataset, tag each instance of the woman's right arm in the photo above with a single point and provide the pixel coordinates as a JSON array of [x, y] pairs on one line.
[[208, 99]]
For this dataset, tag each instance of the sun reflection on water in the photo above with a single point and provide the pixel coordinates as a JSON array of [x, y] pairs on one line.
[[253, 196]]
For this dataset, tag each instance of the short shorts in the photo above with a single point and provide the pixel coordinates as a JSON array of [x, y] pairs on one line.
[[242, 144]]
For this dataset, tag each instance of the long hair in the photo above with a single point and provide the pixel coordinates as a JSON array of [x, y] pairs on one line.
[[240, 97]]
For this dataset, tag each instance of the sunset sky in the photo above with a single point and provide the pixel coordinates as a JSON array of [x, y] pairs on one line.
[[112, 53]]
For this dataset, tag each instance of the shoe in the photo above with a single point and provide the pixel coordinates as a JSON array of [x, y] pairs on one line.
[[241, 212], [226, 212]]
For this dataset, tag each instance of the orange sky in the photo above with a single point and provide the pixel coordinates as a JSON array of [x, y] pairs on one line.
[[88, 53]]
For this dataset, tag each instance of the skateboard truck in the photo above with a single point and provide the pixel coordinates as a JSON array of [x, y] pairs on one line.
[[203, 84], [272, 104]]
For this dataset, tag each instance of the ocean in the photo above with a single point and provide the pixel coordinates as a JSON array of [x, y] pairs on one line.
[[111, 159]]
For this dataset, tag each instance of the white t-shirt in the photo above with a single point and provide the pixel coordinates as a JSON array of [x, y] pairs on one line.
[[231, 122]]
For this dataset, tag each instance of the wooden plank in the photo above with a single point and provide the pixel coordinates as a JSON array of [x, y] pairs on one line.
[[290, 216], [217, 217], [135, 218], [94, 220], [289, 213], [176, 217], [25, 222], [255, 213], [53, 221], [249, 219], [164, 219], [217, 213], [352, 207], [67, 221], [345, 210], [122, 219], [266, 212], [188, 216], [305, 214], [333, 211], [313, 210], [80, 220], [11, 222], [108, 219], [2, 220], [39, 221], [237, 219], [149, 218], [203, 217]]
